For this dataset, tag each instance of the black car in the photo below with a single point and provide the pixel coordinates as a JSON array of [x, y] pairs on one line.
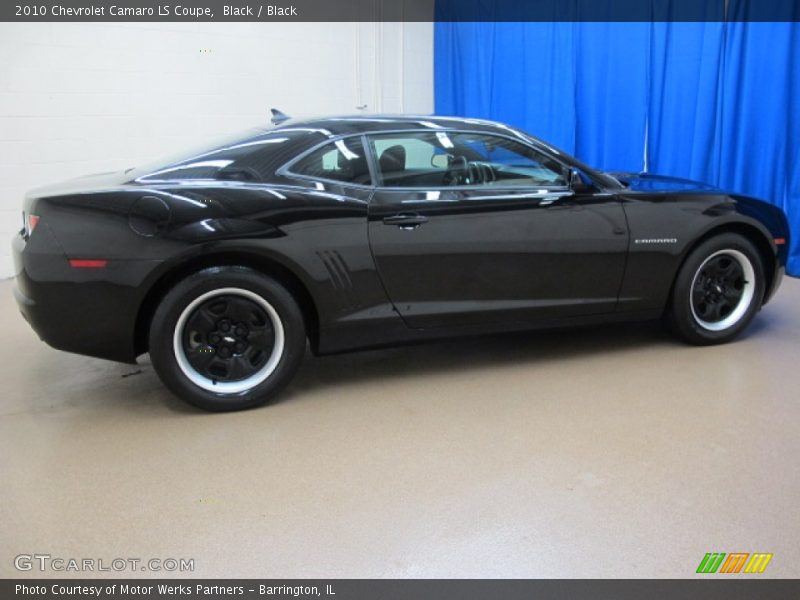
[[355, 232]]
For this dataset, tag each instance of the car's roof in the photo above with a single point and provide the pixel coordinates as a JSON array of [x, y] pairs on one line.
[[354, 124], [346, 124], [310, 131]]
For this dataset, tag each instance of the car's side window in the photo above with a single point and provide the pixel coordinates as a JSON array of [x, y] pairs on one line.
[[443, 158], [342, 160]]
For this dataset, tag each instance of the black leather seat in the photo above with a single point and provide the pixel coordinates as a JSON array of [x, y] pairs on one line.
[[393, 161], [355, 169]]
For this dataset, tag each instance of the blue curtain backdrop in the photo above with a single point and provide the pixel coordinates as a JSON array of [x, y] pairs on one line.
[[713, 101]]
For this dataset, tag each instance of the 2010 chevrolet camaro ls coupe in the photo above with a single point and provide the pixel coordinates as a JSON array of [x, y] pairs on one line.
[[362, 231]]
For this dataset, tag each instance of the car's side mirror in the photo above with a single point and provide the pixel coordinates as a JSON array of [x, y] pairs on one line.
[[578, 182]]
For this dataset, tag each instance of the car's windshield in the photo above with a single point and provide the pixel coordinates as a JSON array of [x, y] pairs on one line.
[[601, 177]]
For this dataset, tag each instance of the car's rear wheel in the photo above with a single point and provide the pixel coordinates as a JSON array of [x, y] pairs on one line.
[[718, 290], [227, 338]]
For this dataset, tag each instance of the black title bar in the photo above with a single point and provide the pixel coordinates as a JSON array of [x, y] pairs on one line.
[[400, 10]]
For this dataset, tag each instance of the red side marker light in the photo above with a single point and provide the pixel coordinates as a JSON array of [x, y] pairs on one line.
[[87, 264], [780, 241], [33, 221]]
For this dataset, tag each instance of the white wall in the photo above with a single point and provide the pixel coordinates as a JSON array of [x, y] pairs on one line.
[[78, 98]]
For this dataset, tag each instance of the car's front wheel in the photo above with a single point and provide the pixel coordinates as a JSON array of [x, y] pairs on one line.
[[718, 290], [227, 338]]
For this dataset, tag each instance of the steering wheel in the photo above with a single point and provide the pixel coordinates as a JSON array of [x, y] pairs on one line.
[[461, 171], [481, 173]]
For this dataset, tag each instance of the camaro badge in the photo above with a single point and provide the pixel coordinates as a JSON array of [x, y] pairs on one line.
[[656, 241]]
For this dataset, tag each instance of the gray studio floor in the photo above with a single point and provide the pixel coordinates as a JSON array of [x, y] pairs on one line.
[[594, 453]]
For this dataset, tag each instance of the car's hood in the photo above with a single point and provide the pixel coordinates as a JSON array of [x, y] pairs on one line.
[[87, 183], [645, 182]]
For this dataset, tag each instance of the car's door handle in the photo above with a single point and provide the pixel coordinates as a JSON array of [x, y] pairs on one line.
[[405, 220]]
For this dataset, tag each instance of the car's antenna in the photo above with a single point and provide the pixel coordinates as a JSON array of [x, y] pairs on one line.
[[278, 117]]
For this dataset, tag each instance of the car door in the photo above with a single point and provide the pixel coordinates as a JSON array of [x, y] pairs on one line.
[[480, 229]]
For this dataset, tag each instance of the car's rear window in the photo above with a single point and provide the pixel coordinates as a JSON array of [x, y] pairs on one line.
[[253, 155]]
